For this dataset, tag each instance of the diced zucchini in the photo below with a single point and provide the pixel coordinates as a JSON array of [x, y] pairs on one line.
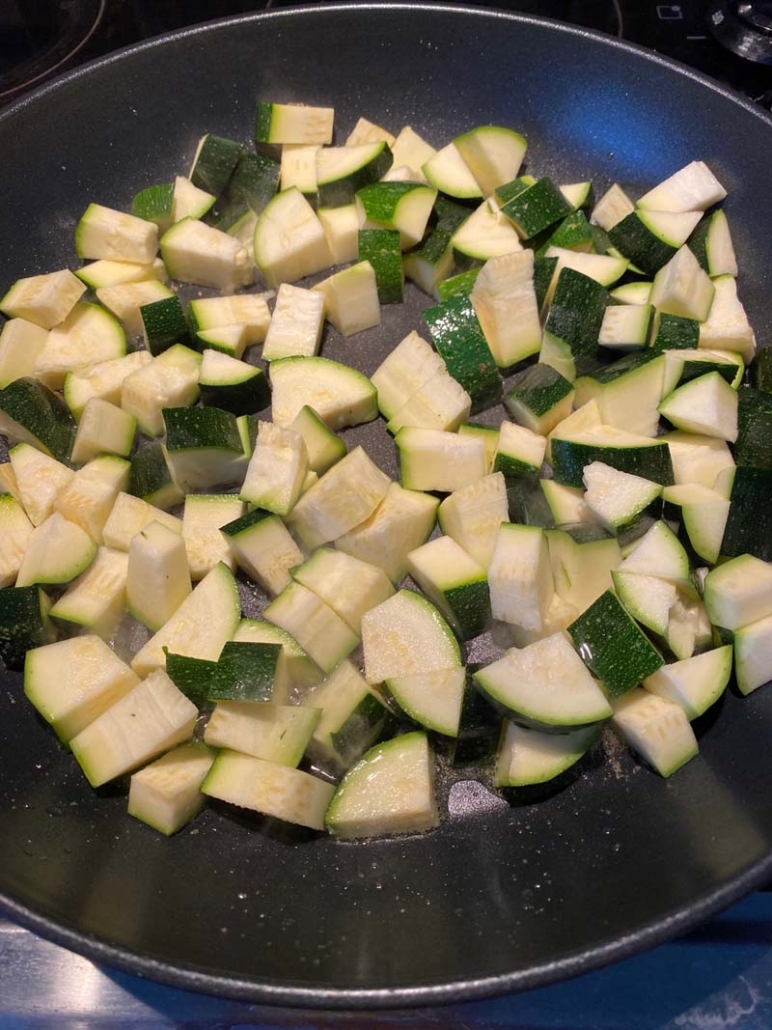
[[154, 204], [441, 403], [575, 317], [339, 395], [650, 238], [460, 341], [402, 206], [752, 652], [712, 245], [264, 548], [276, 733], [151, 718], [57, 552], [519, 451], [656, 729], [612, 207], [20, 343], [381, 249], [322, 634], [96, 600], [293, 123], [158, 576], [170, 380], [545, 686], [346, 495], [275, 790], [472, 516], [493, 155], [203, 517], [32, 414], [88, 498], [401, 522], [726, 326], [214, 163], [628, 452], [15, 531], [296, 325], [625, 326], [648, 599], [352, 718], [706, 405], [72, 682], [290, 241], [617, 498], [658, 553], [323, 446], [455, 582], [540, 399], [520, 576], [485, 234], [703, 515], [527, 756], [245, 309], [581, 567], [89, 334], [167, 793], [103, 380], [433, 459], [277, 468], [45, 300], [348, 585], [612, 646], [531, 206], [103, 429], [504, 299], [447, 171], [389, 791], [103, 232], [739, 592], [341, 227], [39, 479], [682, 288], [351, 299], [293, 670], [200, 254], [692, 188], [232, 385], [405, 370], [151, 477], [129, 516], [341, 171], [695, 683], [200, 626]]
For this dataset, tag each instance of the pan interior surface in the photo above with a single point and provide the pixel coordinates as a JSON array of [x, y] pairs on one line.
[[502, 896]]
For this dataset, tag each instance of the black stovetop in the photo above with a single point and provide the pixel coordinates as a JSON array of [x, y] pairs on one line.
[[40, 38]]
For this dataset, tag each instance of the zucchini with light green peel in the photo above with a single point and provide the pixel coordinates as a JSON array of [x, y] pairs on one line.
[[57, 552], [15, 530], [276, 733], [232, 385], [322, 634], [389, 791], [167, 793], [151, 718], [431, 699], [200, 627], [341, 396], [657, 729], [96, 600], [401, 206], [695, 683], [341, 171], [352, 718], [527, 756], [493, 154]]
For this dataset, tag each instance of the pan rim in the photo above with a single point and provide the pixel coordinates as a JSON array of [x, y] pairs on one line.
[[295, 994]]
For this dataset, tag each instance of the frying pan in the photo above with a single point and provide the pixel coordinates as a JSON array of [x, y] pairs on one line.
[[502, 896]]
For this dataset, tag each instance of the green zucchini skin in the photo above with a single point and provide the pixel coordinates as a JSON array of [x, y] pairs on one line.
[[570, 457], [165, 324], [479, 727], [41, 413], [636, 241], [459, 339], [215, 163], [382, 249], [613, 647], [576, 315], [243, 672], [255, 181], [675, 332]]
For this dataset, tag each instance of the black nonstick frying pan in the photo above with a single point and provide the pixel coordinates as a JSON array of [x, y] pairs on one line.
[[501, 896]]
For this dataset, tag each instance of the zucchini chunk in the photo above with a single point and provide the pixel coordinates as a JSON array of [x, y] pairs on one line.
[[349, 586], [45, 300], [322, 634], [739, 592], [167, 793], [202, 518], [404, 636], [695, 683], [527, 756], [290, 241], [264, 549], [293, 123], [274, 790], [455, 582], [151, 718], [72, 682], [504, 299], [339, 395], [296, 325], [97, 599], [472, 515], [351, 302], [103, 232], [20, 343], [493, 154], [276, 733], [57, 551], [15, 532], [433, 459], [656, 729], [158, 575], [30, 413], [129, 516], [198, 253], [389, 791], [545, 686]]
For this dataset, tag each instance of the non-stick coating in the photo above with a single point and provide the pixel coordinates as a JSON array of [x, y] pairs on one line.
[[500, 897]]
